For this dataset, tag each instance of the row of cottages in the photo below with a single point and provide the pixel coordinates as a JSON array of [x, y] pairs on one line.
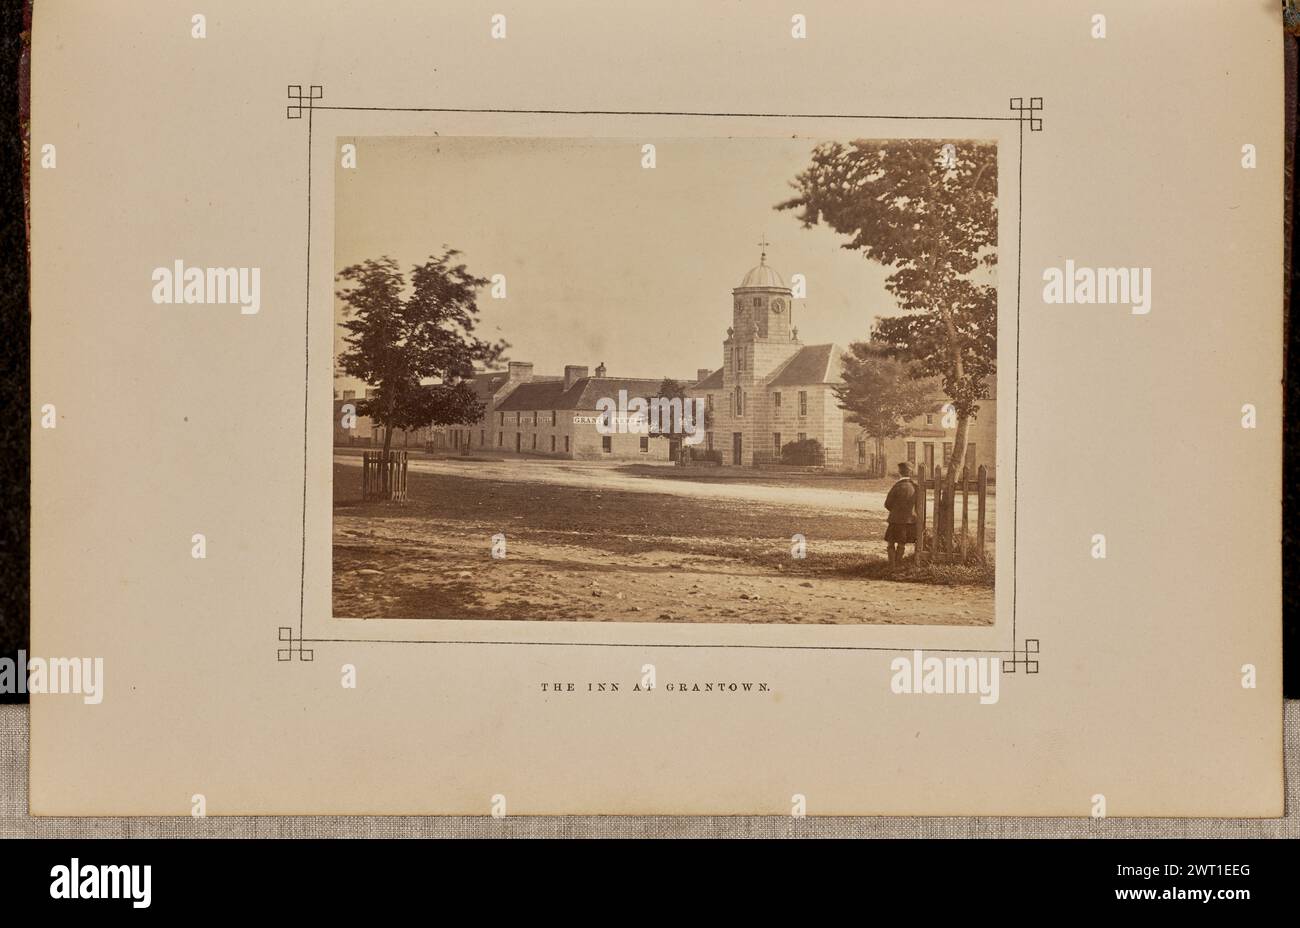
[[770, 390], [555, 416]]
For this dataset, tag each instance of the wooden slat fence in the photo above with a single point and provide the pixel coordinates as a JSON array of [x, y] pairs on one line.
[[937, 536], [384, 478]]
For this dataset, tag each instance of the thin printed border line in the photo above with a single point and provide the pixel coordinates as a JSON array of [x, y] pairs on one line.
[[455, 109], [309, 105]]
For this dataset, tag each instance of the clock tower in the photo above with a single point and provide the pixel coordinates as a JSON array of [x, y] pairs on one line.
[[761, 334]]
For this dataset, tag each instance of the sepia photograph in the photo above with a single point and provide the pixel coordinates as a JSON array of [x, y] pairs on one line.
[[698, 380]]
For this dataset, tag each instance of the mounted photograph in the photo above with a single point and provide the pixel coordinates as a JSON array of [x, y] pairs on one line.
[[678, 380]]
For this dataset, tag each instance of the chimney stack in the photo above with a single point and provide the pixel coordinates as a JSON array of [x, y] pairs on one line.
[[519, 371], [600, 369], [702, 374], [573, 373]]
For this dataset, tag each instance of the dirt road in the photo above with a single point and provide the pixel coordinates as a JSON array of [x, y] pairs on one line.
[[586, 543], [598, 476]]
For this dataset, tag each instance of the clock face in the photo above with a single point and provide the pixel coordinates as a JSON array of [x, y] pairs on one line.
[[778, 305]]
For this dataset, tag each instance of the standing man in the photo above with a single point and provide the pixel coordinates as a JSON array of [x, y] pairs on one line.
[[901, 503]]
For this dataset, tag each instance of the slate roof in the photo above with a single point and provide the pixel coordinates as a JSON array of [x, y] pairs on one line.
[[811, 364], [535, 394], [487, 383], [550, 393], [711, 382]]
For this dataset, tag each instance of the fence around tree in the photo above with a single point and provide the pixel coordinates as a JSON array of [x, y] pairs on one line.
[[383, 477], [939, 540]]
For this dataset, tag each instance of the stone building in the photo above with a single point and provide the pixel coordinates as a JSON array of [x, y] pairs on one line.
[[929, 442], [770, 390]]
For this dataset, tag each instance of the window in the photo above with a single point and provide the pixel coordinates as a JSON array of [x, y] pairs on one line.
[[776, 400], [708, 441], [803, 402], [862, 452], [482, 437], [776, 442], [708, 402], [803, 436], [552, 441], [758, 301], [929, 419], [970, 456], [607, 443], [501, 420], [534, 439], [553, 421], [501, 439], [534, 417], [947, 453], [517, 418], [645, 444], [349, 394], [911, 452], [740, 402], [566, 444]]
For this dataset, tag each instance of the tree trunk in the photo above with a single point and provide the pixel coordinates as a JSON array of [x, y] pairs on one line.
[[958, 449], [959, 372], [955, 465]]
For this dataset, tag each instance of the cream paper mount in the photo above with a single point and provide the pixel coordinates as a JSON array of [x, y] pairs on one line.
[[191, 510]]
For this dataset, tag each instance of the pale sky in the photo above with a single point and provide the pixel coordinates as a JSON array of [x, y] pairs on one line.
[[605, 260]]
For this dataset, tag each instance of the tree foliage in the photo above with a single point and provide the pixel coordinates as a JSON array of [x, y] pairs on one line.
[[400, 337], [932, 219], [880, 392]]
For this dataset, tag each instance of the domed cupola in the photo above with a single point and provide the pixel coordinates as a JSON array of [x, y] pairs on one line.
[[761, 276], [761, 304]]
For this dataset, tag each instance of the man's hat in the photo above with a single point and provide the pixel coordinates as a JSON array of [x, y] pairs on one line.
[[904, 468]]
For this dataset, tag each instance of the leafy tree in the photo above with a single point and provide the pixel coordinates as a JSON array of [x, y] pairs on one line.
[[670, 417], [880, 393], [673, 414], [400, 337], [933, 220]]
